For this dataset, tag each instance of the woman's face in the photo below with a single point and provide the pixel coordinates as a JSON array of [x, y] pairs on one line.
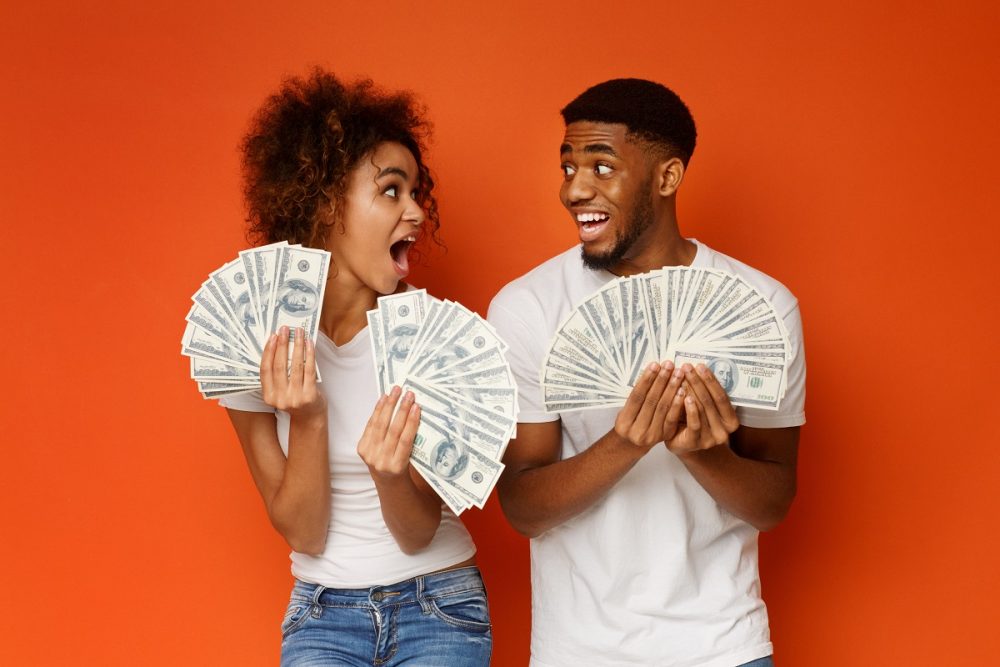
[[381, 219]]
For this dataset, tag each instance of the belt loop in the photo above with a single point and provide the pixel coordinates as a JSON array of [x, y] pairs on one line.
[[316, 609], [425, 603]]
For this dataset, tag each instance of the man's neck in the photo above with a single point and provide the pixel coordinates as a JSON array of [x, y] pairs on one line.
[[660, 245]]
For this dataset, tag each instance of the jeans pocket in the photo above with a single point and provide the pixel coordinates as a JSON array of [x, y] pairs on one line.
[[468, 610], [295, 616]]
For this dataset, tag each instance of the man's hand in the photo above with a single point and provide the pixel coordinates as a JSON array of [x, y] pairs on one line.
[[709, 416], [645, 419]]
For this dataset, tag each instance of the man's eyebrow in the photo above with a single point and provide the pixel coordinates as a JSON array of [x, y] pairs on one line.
[[603, 149], [392, 170]]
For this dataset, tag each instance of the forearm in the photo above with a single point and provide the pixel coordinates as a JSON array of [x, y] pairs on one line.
[[300, 508], [540, 498], [411, 515], [759, 492]]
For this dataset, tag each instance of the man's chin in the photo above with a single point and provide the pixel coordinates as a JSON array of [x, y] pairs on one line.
[[602, 261]]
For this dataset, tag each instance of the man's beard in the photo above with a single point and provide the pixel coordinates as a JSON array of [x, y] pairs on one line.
[[638, 221]]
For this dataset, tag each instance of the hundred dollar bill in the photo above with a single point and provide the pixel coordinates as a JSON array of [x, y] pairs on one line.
[[488, 359], [198, 342], [586, 340], [569, 353], [212, 370], [653, 302], [500, 400], [448, 322], [432, 399], [231, 288], [259, 264], [614, 309], [431, 319], [592, 314], [401, 315], [471, 337], [553, 374], [558, 394], [454, 462], [204, 318], [748, 383], [378, 350], [297, 292], [456, 503], [571, 406]]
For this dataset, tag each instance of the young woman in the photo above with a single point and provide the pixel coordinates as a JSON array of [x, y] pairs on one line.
[[384, 573]]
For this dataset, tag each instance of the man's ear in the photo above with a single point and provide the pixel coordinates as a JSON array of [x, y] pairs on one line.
[[668, 176]]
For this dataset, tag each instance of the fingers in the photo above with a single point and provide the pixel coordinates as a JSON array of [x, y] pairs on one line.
[[726, 410], [671, 421], [634, 402], [279, 363], [405, 444], [395, 430], [711, 406], [298, 356], [666, 401], [653, 396], [309, 365]]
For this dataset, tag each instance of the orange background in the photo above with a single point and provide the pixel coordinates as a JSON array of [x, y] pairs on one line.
[[848, 149]]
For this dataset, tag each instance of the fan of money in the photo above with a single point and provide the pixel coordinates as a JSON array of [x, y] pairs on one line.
[[240, 305], [683, 314], [454, 363]]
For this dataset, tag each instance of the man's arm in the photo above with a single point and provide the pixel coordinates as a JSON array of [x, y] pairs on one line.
[[538, 491], [749, 471]]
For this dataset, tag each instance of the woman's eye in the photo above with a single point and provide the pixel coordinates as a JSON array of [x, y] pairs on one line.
[[602, 170], [391, 191]]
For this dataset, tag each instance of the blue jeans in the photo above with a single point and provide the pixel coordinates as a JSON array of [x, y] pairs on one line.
[[433, 620], [759, 662]]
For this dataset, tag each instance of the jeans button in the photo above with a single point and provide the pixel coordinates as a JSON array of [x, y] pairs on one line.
[[377, 596]]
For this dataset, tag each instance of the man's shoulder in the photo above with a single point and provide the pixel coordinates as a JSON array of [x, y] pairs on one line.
[[539, 282]]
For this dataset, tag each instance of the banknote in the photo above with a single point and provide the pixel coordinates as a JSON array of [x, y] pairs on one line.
[[454, 363], [679, 314], [241, 304]]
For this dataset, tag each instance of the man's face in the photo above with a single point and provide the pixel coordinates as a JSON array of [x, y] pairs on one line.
[[447, 457], [607, 188]]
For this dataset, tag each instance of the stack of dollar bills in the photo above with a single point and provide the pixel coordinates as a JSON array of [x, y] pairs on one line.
[[681, 314], [237, 309], [454, 363]]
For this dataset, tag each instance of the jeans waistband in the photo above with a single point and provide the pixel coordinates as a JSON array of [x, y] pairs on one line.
[[416, 589]]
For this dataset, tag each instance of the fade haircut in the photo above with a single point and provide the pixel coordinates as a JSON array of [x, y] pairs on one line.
[[650, 111]]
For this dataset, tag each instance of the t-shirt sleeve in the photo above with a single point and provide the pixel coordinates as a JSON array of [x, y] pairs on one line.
[[250, 402], [792, 409], [526, 346]]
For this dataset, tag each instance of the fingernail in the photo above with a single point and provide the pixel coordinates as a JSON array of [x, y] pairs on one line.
[[414, 409], [408, 397], [681, 392], [669, 365], [702, 370], [652, 366], [678, 373]]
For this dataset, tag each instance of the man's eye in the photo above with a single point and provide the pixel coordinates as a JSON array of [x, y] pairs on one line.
[[567, 170], [602, 170]]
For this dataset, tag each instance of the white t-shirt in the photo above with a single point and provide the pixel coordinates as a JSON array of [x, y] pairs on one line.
[[360, 551], [655, 573]]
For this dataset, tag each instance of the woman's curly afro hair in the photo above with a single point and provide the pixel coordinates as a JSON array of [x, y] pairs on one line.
[[306, 139]]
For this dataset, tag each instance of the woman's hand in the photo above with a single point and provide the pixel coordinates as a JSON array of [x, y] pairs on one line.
[[387, 441], [290, 385]]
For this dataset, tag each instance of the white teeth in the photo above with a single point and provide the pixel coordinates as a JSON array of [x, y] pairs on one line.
[[591, 217]]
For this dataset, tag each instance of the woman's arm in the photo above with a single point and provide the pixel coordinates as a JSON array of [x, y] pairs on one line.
[[296, 489], [410, 508]]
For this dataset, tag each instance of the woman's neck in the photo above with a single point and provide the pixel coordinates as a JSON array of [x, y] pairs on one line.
[[344, 306]]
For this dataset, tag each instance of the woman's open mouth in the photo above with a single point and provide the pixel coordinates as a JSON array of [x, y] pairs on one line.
[[399, 251]]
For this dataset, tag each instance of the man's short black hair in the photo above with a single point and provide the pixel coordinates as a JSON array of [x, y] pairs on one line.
[[649, 110]]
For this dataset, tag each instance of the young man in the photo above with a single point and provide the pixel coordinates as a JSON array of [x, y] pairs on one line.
[[644, 520]]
